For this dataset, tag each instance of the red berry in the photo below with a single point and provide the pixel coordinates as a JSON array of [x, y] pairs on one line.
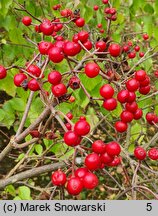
[[99, 25], [59, 90], [107, 10], [107, 91], [92, 161], [91, 69], [150, 117], [132, 107], [90, 181], [33, 85], [141, 54], [88, 45], [3, 72], [145, 82], [156, 74], [95, 7], [83, 36], [59, 44], [82, 127], [132, 85], [37, 28], [112, 11], [131, 97], [26, 20], [58, 178], [123, 96], [140, 153], [55, 54], [130, 43], [71, 48], [71, 138], [80, 22], [72, 99], [68, 126], [102, 31], [145, 36], [44, 46], [140, 75], [121, 126], [54, 77], [34, 70], [153, 154], [144, 90], [132, 54], [74, 186], [115, 162], [113, 148], [81, 172], [110, 104], [47, 27], [66, 12], [106, 158], [126, 116], [138, 114], [125, 48], [75, 38], [83, 118], [98, 147], [19, 78], [59, 38], [101, 46], [105, 1], [114, 50], [137, 48], [69, 115]]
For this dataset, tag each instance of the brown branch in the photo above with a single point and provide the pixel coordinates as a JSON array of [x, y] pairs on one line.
[[31, 173]]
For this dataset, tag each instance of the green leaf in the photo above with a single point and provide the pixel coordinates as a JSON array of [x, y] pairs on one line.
[[8, 86], [87, 13], [147, 24], [4, 6], [24, 193], [11, 190], [20, 157], [39, 149], [2, 114], [17, 198], [16, 36], [59, 148], [149, 9], [18, 104]]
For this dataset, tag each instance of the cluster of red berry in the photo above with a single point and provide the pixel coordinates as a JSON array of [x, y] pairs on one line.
[[140, 153], [140, 82], [83, 177], [151, 118]]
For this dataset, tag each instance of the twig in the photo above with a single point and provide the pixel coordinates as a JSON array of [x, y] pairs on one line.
[[30, 173]]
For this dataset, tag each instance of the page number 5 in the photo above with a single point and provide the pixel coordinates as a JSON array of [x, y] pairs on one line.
[[149, 206]]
